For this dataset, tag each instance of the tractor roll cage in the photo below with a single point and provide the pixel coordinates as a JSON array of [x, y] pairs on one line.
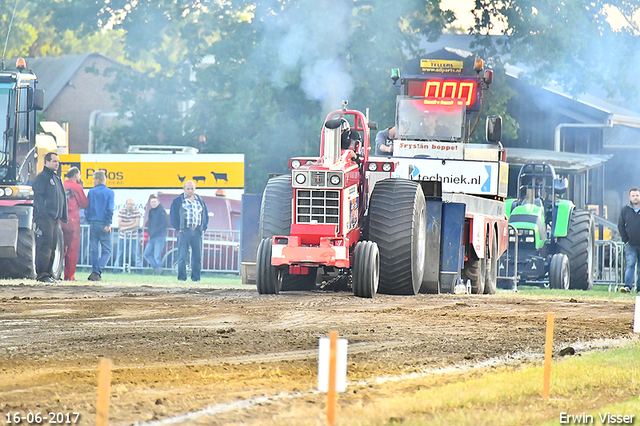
[[536, 183]]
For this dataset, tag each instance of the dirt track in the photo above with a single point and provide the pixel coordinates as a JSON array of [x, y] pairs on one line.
[[177, 350]]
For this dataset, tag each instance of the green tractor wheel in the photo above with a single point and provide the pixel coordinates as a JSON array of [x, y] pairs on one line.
[[579, 246], [559, 272]]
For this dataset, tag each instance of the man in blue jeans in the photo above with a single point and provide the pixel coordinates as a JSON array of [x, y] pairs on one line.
[[189, 216], [99, 214], [629, 228]]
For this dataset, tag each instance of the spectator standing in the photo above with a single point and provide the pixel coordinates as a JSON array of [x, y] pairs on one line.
[[129, 220], [50, 207], [99, 214], [629, 228], [76, 200], [157, 229], [189, 216]]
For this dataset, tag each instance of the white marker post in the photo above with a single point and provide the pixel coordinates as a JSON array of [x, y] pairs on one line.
[[636, 316], [332, 370]]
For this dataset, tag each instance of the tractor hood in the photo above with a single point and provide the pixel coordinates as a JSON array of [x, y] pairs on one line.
[[528, 219]]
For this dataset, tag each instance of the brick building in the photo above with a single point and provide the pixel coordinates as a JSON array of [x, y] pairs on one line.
[[76, 93]]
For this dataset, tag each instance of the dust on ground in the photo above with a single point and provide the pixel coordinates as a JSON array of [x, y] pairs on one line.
[[178, 350]]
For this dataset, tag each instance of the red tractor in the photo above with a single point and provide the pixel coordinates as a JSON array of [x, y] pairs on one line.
[[324, 215]]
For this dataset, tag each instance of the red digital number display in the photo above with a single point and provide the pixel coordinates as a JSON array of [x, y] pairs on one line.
[[444, 92]]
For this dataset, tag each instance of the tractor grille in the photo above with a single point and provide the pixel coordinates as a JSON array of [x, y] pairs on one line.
[[318, 206]]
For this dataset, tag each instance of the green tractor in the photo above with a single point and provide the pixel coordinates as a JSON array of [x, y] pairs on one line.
[[556, 240]]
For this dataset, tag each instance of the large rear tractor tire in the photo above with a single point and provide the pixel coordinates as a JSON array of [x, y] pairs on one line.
[[579, 245], [397, 223], [491, 277], [275, 219], [268, 277], [24, 266], [366, 269], [559, 272]]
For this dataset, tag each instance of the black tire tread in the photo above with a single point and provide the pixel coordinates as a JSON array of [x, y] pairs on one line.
[[364, 269], [275, 219], [474, 270], [576, 246], [555, 271], [266, 275], [391, 212], [24, 265]]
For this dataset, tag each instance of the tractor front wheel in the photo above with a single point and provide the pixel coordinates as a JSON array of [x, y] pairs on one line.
[[24, 266], [475, 271], [366, 268], [268, 277], [275, 219], [559, 272]]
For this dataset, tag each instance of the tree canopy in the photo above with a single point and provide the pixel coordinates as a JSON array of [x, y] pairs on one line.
[[258, 76]]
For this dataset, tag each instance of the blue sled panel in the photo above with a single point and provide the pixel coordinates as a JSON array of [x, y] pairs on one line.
[[452, 249], [431, 279], [249, 238]]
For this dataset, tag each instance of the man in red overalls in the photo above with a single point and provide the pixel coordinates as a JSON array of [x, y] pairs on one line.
[[76, 200]]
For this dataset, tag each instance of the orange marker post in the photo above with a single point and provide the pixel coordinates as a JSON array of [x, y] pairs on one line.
[[331, 393], [548, 352], [104, 392]]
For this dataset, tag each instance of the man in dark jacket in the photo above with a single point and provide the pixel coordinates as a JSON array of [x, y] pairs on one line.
[[629, 228], [50, 207], [157, 230], [189, 216]]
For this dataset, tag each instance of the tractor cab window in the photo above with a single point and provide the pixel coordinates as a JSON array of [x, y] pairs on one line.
[[7, 137], [419, 119], [23, 114]]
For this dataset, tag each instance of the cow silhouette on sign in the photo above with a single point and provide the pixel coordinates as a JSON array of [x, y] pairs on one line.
[[220, 176]]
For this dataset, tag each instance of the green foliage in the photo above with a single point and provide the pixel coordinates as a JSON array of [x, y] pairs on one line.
[[56, 27], [569, 42], [258, 77]]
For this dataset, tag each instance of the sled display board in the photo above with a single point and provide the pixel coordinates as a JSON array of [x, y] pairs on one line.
[[160, 171], [467, 177]]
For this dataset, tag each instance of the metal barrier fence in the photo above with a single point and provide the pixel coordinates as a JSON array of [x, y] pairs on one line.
[[220, 251], [610, 264], [507, 270]]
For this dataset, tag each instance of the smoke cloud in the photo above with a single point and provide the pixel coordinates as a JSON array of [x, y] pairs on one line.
[[312, 36]]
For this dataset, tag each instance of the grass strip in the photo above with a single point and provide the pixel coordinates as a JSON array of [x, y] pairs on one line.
[[602, 382]]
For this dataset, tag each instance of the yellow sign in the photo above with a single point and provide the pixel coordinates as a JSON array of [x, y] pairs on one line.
[[440, 66], [160, 171]]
